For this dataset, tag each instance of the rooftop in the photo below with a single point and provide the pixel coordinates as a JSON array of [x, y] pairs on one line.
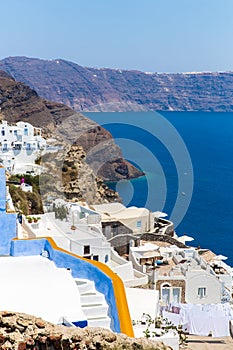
[[34, 285], [112, 211]]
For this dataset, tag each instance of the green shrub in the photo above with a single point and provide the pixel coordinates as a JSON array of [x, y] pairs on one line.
[[61, 212], [26, 202]]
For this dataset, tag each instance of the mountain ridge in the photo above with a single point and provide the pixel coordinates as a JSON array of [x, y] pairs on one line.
[[105, 89]]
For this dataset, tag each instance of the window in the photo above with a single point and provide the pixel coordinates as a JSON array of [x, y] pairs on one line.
[[26, 131], [15, 132], [166, 295], [82, 215], [86, 249], [96, 257], [3, 132], [201, 292], [139, 224], [175, 295], [115, 228], [170, 294]]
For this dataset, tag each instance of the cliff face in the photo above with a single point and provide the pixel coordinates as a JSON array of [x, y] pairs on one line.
[[19, 331], [68, 129], [90, 89]]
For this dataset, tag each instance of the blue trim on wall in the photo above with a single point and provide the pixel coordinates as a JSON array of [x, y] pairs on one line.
[[2, 190], [80, 269], [29, 247]]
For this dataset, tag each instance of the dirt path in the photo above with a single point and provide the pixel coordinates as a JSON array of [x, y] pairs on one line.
[[209, 343]]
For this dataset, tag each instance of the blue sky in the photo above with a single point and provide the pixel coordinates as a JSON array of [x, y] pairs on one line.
[[148, 35]]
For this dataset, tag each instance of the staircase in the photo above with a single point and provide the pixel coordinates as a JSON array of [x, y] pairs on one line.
[[93, 304]]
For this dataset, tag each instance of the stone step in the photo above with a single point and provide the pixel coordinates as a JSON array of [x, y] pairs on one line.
[[92, 297], [93, 304], [85, 286], [95, 310]]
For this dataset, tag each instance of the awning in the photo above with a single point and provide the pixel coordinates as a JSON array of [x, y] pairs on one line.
[[220, 257], [159, 214], [185, 238]]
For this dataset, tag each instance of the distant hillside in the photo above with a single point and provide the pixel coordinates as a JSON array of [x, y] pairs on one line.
[[89, 154], [91, 89]]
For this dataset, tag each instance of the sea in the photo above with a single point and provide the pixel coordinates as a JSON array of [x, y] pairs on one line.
[[187, 159]]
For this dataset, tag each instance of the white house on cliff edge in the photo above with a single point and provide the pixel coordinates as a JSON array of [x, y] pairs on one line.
[[20, 145]]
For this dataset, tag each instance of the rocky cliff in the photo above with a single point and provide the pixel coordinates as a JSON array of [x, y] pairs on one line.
[[91, 89], [61, 125], [19, 331]]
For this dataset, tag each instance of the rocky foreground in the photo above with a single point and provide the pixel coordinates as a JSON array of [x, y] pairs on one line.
[[20, 331]]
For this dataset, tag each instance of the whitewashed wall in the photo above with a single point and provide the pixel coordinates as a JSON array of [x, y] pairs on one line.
[[202, 280]]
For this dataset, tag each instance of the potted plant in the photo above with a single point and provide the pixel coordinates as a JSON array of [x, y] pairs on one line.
[[29, 219]]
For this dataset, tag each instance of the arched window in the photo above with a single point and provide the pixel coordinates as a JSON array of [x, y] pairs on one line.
[[170, 294]]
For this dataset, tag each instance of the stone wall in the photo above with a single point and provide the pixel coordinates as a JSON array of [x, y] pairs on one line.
[[162, 238], [19, 331], [114, 228], [121, 243]]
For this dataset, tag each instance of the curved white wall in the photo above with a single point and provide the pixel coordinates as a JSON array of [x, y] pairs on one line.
[[203, 280]]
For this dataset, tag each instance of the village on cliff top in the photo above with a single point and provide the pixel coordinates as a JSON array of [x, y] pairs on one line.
[[102, 265]]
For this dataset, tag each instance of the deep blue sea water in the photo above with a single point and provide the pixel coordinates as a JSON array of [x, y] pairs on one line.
[[151, 141]]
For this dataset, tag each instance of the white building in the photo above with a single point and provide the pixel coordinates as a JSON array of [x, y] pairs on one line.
[[135, 220], [20, 145], [80, 232], [124, 269], [181, 275], [118, 219], [191, 292]]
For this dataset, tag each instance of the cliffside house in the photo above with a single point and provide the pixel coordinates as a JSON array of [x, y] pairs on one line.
[[181, 275], [20, 145], [192, 292], [73, 227], [117, 219], [187, 278]]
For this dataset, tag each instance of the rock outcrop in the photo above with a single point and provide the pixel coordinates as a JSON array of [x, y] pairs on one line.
[[92, 89], [19, 331], [68, 176]]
